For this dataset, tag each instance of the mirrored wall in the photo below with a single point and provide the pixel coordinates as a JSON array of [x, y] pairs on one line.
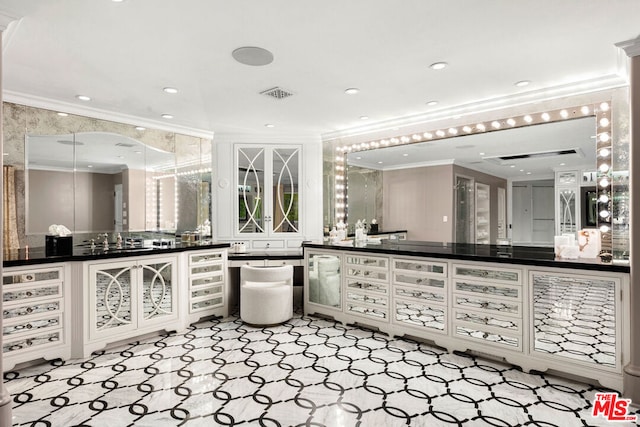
[[96, 176]]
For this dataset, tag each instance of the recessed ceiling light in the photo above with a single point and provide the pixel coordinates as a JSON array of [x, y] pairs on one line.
[[117, 1], [89, 166], [251, 55], [512, 166], [83, 97], [379, 163], [406, 155], [523, 83], [432, 103], [438, 65], [269, 125], [528, 173], [521, 170], [141, 128], [138, 152], [364, 117], [351, 91], [562, 164], [359, 158], [63, 114], [482, 154], [167, 116], [5, 154], [170, 90]]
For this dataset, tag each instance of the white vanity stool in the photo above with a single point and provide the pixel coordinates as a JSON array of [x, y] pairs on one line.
[[266, 294]]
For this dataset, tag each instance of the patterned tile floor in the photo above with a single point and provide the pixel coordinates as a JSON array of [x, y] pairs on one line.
[[307, 372]]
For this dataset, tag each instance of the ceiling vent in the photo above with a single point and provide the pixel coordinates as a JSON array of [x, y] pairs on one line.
[[537, 155], [277, 93], [505, 159]]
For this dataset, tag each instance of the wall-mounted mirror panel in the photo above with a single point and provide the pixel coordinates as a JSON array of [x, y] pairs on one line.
[[501, 158], [96, 176]]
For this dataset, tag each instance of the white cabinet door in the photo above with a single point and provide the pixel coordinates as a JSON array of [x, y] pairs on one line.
[[157, 291]]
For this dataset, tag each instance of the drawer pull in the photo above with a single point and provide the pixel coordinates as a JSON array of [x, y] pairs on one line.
[[418, 281], [29, 309], [484, 305], [28, 326], [419, 267], [29, 293], [29, 343], [485, 335]]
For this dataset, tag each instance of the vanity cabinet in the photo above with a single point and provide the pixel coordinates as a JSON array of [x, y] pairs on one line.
[[537, 317], [125, 299], [367, 286], [487, 305], [35, 313], [420, 289], [207, 276]]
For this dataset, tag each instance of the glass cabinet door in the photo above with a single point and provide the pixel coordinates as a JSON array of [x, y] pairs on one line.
[[251, 189], [157, 290], [285, 189], [324, 280], [113, 299], [268, 190], [575, 318]]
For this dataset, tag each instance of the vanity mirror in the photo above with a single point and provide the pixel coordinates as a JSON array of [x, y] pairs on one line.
[[510, 150], [97, 176]]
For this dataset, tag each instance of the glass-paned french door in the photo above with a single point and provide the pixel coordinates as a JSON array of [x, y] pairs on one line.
[[267, 182]]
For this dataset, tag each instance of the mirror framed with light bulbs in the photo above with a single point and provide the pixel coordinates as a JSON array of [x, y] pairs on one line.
[[606, 176]]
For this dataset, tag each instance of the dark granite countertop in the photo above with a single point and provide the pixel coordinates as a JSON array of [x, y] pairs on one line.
[[30, 256], [523, 255]]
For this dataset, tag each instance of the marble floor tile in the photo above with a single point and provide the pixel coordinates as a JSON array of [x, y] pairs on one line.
[[306, 372]]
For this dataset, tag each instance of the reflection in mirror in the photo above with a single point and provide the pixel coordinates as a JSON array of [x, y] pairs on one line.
[[152, 176], [285, 189], [488, 160], [95, 183]]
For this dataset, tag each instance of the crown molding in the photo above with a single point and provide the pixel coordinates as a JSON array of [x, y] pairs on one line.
[[6, 18], [630, 47], [54, 105], [608, 82]]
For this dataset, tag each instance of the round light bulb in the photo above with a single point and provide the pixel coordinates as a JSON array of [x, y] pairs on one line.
[[603, 198], [604, 168], [604, 137], [604, 228], [604, 182], [604, 152], [604, 213], [604, 122]]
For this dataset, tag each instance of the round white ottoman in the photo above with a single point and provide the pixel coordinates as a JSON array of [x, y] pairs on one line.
[[266, 294]]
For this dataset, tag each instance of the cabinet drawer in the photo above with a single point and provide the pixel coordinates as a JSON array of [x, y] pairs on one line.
[[367, 261], [417, 279], [32, 341], [488, 321], [421, 314], [420, 294], [206, 258], [432, 268], [507, 292], [366, 273], [30, 292], [488, 304], [34, 277], [366, 285], [208, 280], [268, 244], [206, 292], [492, 274], [364, 298], [486, 337], [376, 313], [206, 304], [31, 325], [25, 310], [205, 269]]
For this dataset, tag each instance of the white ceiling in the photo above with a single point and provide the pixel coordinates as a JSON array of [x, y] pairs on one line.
[[123, 54]]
